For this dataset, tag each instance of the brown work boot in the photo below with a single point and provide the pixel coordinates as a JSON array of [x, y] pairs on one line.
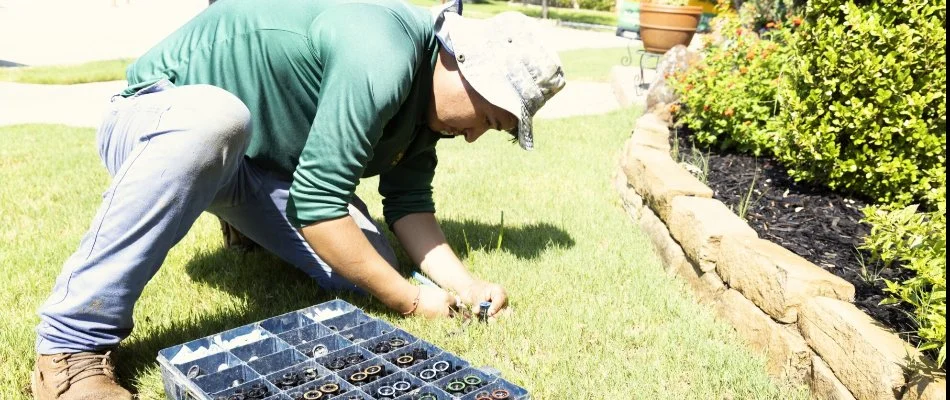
[[76, 376], [235, 240]]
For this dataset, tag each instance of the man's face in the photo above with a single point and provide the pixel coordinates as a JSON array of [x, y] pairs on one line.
[[457, 109]]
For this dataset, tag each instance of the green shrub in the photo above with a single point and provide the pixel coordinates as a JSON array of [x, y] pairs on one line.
[[917, 241], [598, 5], [728, 97], [756, 14], [864, 106]]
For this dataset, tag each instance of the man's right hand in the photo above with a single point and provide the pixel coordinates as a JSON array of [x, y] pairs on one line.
[[434, 302]]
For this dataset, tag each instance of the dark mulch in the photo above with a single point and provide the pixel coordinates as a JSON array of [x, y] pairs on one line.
[[816, 223]]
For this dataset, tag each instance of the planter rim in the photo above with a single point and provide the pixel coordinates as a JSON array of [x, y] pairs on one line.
[[666, 28], [671, 9]]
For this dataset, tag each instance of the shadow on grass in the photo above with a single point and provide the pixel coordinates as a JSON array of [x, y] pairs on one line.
[[268, 286], [525, 242], [5, 64]]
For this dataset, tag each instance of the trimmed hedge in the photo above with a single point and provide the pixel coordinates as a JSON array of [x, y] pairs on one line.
[[865, 106]]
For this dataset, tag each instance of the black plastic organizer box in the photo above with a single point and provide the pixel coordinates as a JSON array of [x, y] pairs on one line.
[[328, 351]]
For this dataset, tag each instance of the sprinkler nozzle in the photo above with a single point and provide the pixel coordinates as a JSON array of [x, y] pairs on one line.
[[483, 311]]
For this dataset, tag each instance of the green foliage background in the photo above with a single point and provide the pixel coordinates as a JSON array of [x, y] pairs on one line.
[[865, 102], [854, 99], [729, 97]]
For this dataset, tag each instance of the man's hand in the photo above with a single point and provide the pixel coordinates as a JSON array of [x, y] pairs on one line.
[[479, 291], [434, 302]]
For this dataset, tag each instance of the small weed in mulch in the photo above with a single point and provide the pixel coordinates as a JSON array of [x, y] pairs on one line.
[[816, 223]]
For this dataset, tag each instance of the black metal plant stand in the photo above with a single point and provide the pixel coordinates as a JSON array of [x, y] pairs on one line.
[[642, 84]]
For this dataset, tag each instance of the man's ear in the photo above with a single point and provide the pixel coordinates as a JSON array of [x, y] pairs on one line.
[[447, 61]]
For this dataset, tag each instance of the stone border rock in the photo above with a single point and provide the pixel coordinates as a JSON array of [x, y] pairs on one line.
[[797, 314]]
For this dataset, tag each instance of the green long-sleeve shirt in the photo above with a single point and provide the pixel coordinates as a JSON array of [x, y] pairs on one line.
[[337, 89]]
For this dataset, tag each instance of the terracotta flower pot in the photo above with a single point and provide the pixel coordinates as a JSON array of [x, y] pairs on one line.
[[662, 27]]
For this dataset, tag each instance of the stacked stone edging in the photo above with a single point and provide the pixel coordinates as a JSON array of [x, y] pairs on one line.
[[799, 315]]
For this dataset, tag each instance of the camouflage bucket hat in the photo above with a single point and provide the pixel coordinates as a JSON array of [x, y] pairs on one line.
[[503, 59]]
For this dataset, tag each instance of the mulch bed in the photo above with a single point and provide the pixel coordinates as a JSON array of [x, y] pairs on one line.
[[816, 223]]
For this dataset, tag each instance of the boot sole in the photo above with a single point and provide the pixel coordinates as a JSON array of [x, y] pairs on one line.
[[33, 391]]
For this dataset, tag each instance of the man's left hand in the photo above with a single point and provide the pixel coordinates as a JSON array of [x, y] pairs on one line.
[[479, 291]]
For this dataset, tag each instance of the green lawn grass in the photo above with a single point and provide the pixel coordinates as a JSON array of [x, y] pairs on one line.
[[95, 71], [582, 64], [595, 64], [491, 7], [594, 315], [591, 64]]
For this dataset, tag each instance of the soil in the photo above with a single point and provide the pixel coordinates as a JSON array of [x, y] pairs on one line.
[[816, 223]]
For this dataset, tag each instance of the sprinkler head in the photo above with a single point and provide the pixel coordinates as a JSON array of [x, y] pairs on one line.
[[373, 370], [257, 393], [428, 374], [455, 386], [397, 342], [312, 395], [310, 374], [330, 388], [404, 360], [319, 350], [336, 364], [286, 383], [402, 386], [354, 358], [386, 391], [441, 366], [193, 372], [382, 348], [472, 380], [483, 311], [420, 354], [357, 378]]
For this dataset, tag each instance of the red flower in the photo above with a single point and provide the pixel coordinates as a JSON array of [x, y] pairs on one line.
[[743, 70], [729, 112], [706, 107], [797, 21], [738, 31], [674, 108], [770, 25]]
